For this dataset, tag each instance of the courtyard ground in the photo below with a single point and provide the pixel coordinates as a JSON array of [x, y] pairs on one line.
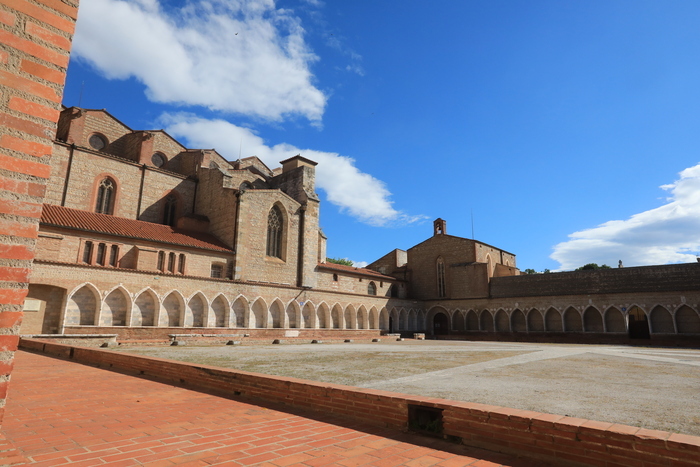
[[656, 388]]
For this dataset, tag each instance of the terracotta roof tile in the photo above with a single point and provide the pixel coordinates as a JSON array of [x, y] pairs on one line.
[[354, 270], [59, 216]]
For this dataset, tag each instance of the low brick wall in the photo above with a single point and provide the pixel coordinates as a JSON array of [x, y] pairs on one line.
[[562, 440], [656, 340]]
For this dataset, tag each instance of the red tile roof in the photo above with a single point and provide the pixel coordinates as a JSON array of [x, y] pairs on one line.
[[59, 216], [354, 270]]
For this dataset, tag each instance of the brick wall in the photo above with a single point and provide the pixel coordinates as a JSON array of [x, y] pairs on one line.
[[35, 38], [558, 439]]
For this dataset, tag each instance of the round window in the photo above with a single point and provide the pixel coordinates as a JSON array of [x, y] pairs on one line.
[[158, 159], [97, 142]]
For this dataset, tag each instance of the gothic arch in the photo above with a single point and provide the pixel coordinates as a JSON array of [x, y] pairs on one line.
[[337, 317], [308, 316], [459, 321], [349, 318], [292, 315], [614, 320], [275, 318], [240, 312], [535, 322], [403, 319], [553, 321], [81, 306], [219, 315], [277, 228], [661, 321], [196, 311], [115, 307], [143, 313], [472, 321], [174, 308], [687, 320], [258, 314], [486, 321], [323, 316], [518, 323], [412, 320], [362, 318], [592, 320], [502, 321], [373, 318], [572, 320], [384, 319]]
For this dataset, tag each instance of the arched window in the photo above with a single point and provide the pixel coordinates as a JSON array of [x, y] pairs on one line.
[[181, 264], [441, 278], [171, 262], [274, 233], [105, 197], [161, 261], [114, 255], [371, 289], [170, 210]]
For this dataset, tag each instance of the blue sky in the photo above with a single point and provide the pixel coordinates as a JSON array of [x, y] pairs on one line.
[[568, 128]]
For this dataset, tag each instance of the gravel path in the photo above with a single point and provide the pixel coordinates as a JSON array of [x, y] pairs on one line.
[[653, 388]]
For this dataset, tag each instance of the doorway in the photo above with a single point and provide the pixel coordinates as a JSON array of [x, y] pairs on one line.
[[638, 325], [440, 324]]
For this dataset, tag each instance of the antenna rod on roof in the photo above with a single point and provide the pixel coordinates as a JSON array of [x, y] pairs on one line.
[[472, 223]]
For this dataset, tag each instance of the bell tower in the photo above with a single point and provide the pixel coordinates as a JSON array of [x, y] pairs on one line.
[[439, 227]]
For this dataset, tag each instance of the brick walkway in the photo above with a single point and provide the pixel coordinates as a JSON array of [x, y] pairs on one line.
[[64, 413]]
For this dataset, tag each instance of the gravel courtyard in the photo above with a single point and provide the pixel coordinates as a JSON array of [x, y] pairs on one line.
[[647, 387]]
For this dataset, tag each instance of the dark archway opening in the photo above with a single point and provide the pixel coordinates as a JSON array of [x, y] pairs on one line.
[[441, 324], [638, 325]]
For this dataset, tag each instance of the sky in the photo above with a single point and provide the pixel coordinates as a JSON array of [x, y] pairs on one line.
[[565, 132]]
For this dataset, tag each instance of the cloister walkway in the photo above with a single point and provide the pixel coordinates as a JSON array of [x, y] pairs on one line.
[[62, 413]]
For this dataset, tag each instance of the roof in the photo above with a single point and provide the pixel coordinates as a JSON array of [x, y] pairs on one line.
[[354, 270], [59, 216]]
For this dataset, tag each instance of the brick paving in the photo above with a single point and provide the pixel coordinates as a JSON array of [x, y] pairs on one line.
[[62, 413]]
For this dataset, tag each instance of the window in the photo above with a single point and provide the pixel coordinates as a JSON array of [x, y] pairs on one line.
[[371, 288], [97, 142], [181, 264], [170, 210], [101, 248], [229, 270], [87, 252], [171, 262], [335, 277], [158, 159], [441, 278], [274, 233], [161, 261], [216, 270], [105, 197], [113, 256]]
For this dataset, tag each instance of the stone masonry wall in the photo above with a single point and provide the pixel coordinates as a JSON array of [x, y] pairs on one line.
[[35, 43]]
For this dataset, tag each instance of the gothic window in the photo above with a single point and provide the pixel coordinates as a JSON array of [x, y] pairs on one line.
[[274, 233], [171, 262], [87, 252], [105, 197], [114, 255], [161, 261], [441, 278], [101, 249], [371, 289], [181, 264], [170, 209], [158, 159]]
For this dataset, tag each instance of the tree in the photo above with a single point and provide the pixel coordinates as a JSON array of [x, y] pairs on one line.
[[592, 267], [530, 271], [343, 261]]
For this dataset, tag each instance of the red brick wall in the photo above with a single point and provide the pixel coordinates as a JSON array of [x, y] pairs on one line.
[[557, 439], [35, 42]]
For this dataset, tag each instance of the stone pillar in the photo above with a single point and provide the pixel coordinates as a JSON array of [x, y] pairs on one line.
[[35, 43]]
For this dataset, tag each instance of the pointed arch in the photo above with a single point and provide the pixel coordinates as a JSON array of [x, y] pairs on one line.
[[174, 308], [553, 321], [115, 307], [373, 318], [486, 321], [336, 317], [276, 230], [687, 320], [518, 323], [258, 314], [535, 321], [144, 310], [403, 319], [275, 318], [292, 315], [661, 321], [459, 321], [323, 316], [422, 326], [502, 321], [412, 320], [362, 318], [349, 318], [384, 319], [472, 321], [592, 320], [614, 320], [240, 311], [219, 312], [197, 308], [81, 306], [572, 320], [308, 316]]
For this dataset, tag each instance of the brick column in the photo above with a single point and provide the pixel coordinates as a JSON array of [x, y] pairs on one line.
[[35, 42]]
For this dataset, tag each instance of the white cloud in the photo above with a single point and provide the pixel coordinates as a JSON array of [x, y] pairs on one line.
[[359, 194], [238, 56], [667, 234]]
